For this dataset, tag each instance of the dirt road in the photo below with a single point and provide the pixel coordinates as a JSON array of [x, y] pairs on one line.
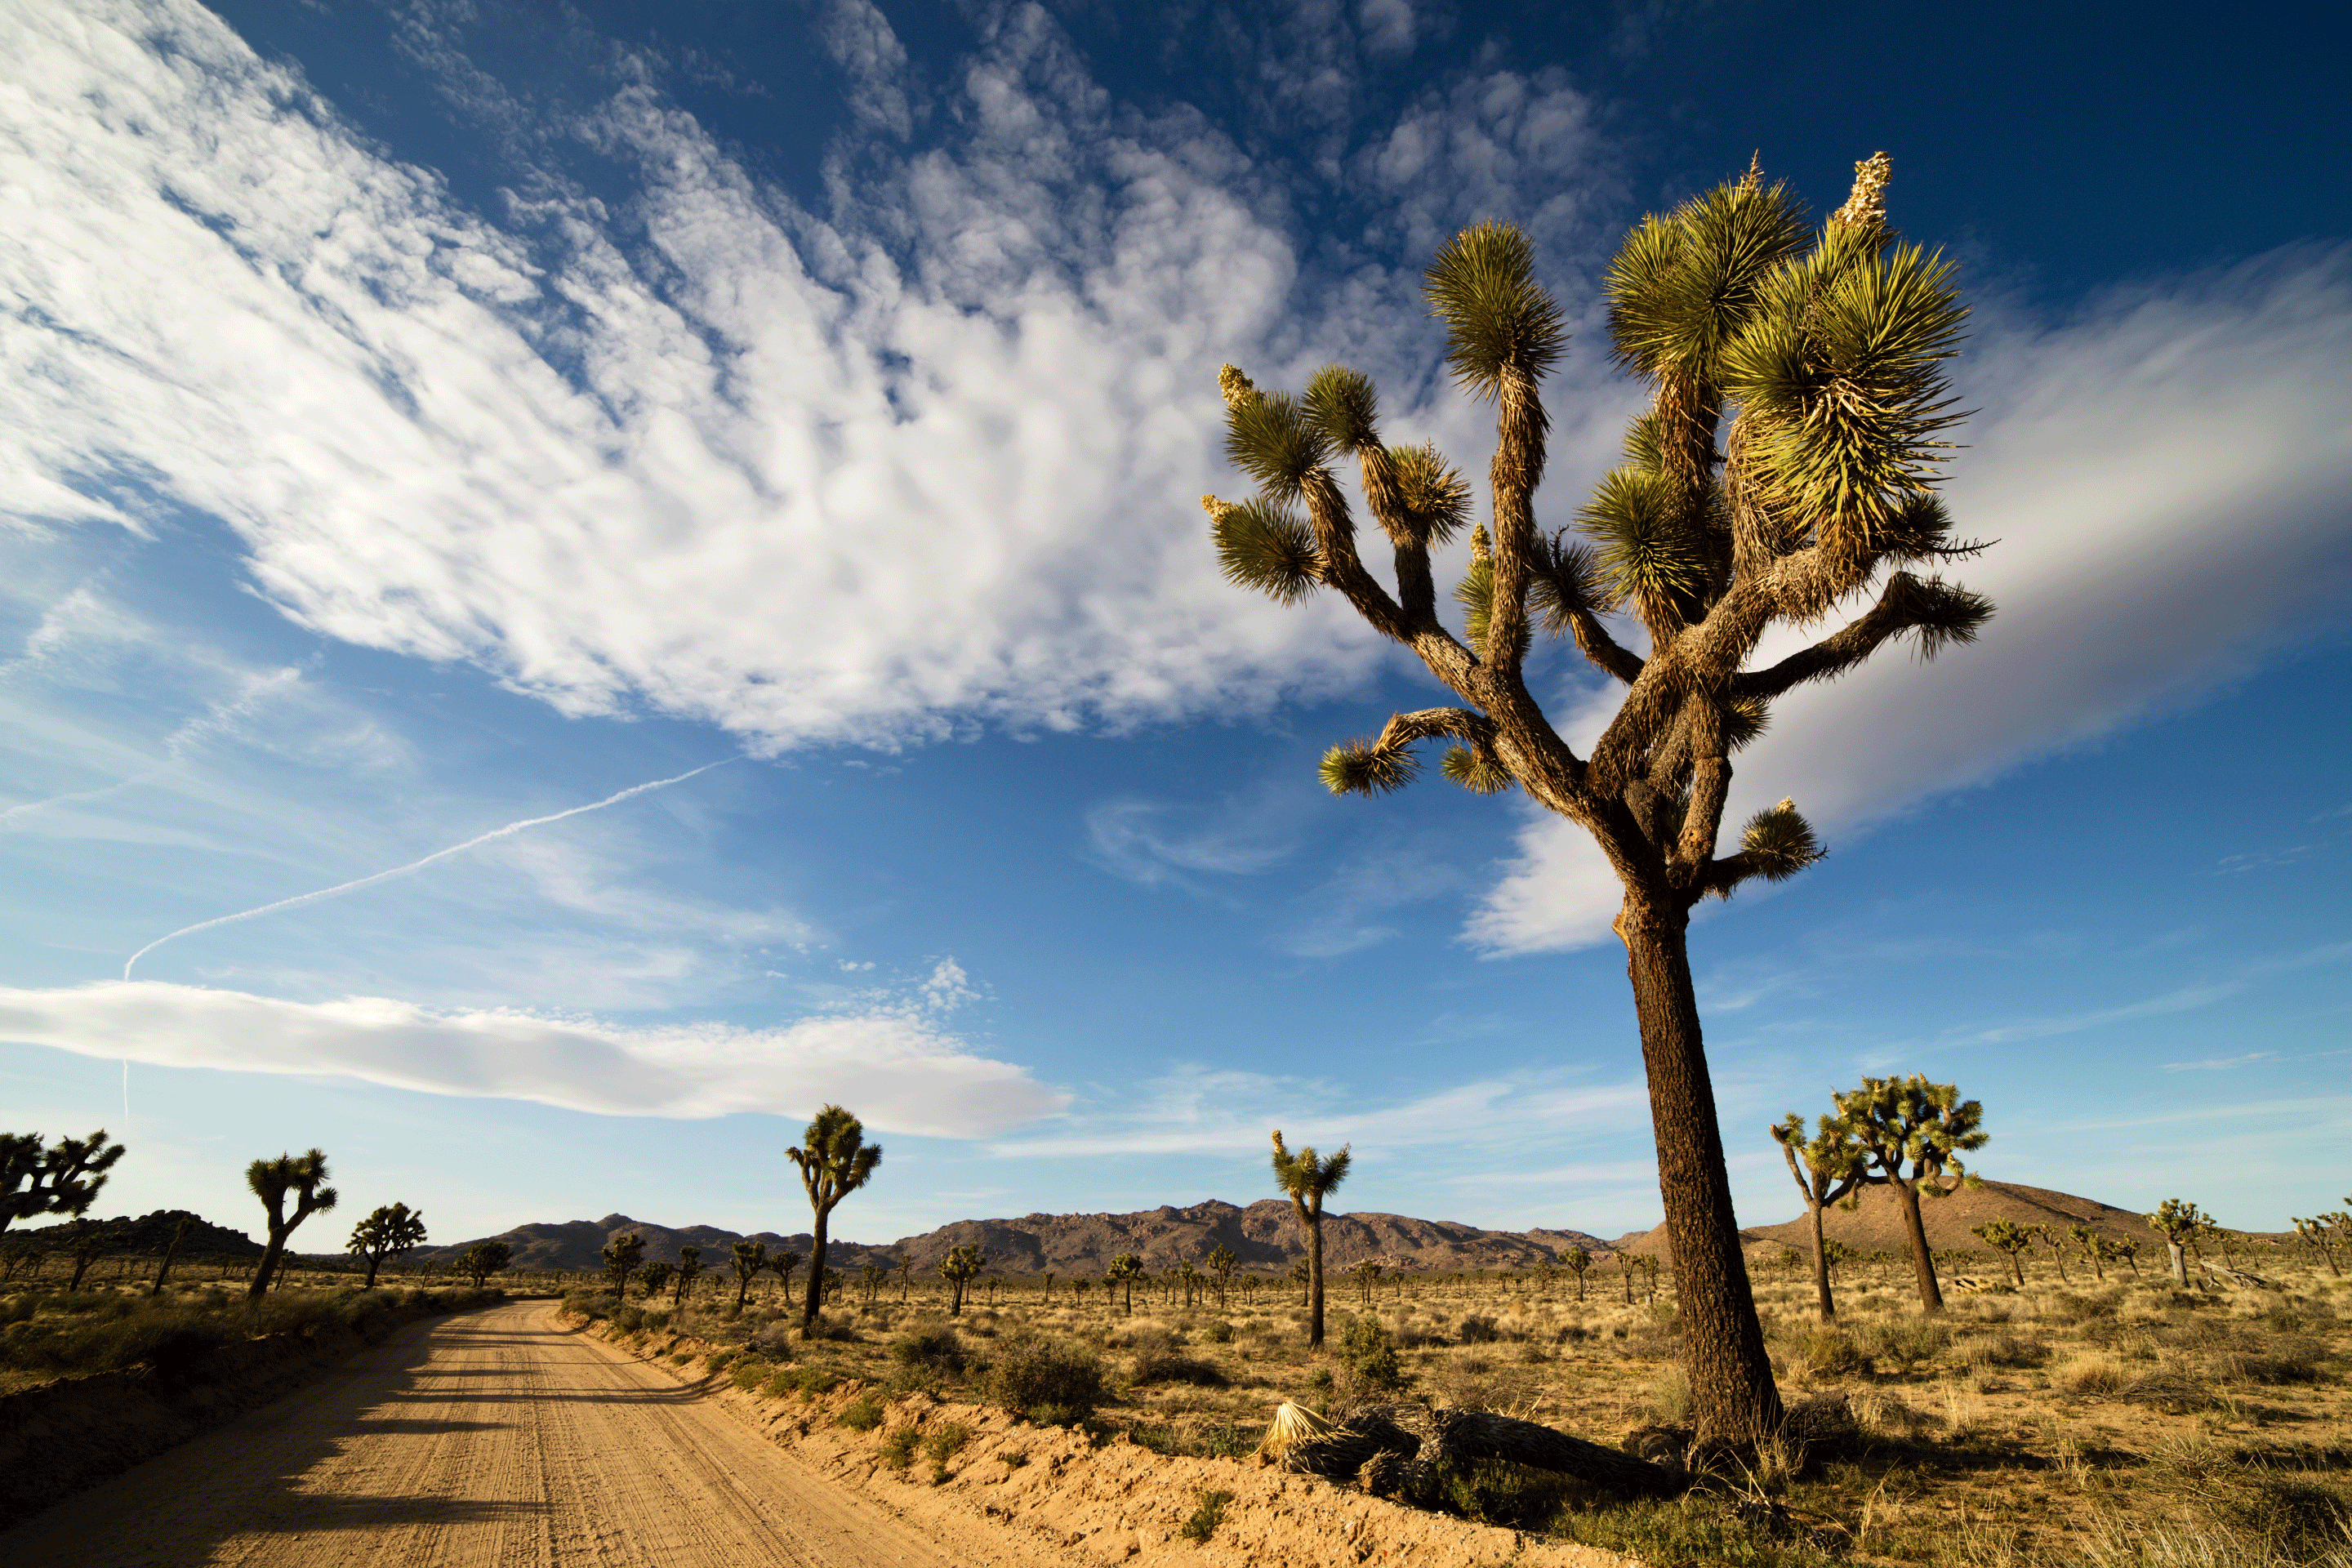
[[493, 1438]]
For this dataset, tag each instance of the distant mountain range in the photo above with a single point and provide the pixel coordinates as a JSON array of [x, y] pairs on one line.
[[1265, 1236]]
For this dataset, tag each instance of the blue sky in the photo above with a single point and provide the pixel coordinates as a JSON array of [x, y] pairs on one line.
[[420, 419]]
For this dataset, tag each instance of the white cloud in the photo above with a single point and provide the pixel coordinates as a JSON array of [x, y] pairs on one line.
[[1141, 840], [895, 1068], [2167, 479]]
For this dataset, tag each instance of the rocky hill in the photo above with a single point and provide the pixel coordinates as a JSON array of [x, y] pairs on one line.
[[1265, 1236], [1877, 1225]]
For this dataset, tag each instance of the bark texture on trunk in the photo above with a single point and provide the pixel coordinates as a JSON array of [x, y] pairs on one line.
[[1822, 1269], [1923, 1262], [267, 1269], [1733, 1396], [2178, 1255], [813, 1296], [1315, 1281]]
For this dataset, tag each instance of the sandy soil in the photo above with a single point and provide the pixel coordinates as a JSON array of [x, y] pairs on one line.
[[491, 1438]]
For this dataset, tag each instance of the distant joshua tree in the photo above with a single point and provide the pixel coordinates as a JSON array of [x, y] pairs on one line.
[[1368, 1275], [1578, 1260], [622, 1257], [1903, 1122], [653, 1278], [2093, 1247], [751, 1261], [2006, 1235], [2182, 1225], [1830, 1172], [485, 1258], [272, 1181], [2319, 1236], [386, 1233], [903, 1265], [179, 1234], [1628, 1265], [1784, 470], [782, 1261], [834, 1161], [63, 1178], [1305, 1178], [1222, 1261], [690, 1269], [1122, 1272], [959, 1268]]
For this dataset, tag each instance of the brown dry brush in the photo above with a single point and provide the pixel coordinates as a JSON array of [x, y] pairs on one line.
[[1786, 468]]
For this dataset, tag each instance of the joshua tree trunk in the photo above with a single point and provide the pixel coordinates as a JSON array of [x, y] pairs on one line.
[[164, 1269], [1822, 1268], [1729, 1370], [2179, 1257], [1315, 1283], [813, 1296], [1923, 1263]]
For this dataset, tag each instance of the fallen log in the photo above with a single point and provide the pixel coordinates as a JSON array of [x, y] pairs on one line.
[[1469, 1435]]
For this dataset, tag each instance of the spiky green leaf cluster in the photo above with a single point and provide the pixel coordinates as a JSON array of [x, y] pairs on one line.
[[1780, 842], [1435, 496], [1650, 553], [1355, 768], [1482, 286], [1745, 720], [1941, 614], [1344, 406], [1265, 546], [1271, 438], [1840, 377], [1480, 775], [1476, 594], [1684, 285], [1909, 1120]]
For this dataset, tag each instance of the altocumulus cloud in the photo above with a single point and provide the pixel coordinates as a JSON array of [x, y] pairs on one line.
[[901, 1072]]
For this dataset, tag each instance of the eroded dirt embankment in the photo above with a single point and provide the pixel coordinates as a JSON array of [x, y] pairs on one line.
[[1071, 1502]]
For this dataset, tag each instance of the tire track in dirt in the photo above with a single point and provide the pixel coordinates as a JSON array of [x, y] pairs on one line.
[[490, 1440]]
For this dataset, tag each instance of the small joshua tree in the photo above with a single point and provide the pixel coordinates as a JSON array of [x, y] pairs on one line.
[[1122, 1272], [1222, 1261], [63, 1178], [623, 1254], [654, 1278], [834, 1161], [164, 1269], [751, 1261], [1785, 468], [1830, 1171], [1368, 1275], [485, 1258], [1627, 1267], [1297, 1275], [1578, 1260], [2006, 1235], [904, 1264], [273, 1181], [2319, 1236], [1305, 1178], [1925, 1127], [2057, 1246], [2181, 1225], [386, 1233], [2093, 1247], [959, 1268], [782, 1261], [690, 1269]]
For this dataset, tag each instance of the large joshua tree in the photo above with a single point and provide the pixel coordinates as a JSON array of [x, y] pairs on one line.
[[834, 1161], [300, 1177], [62, 1178], [1911, 1134], [1828, 1168], [1784, 470], [1305, 1177], [387, 1232]]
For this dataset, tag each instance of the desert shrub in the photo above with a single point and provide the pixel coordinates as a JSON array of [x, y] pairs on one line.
[[1158, 1359], [655, 1319], [1477, 1330], [1512, 1497], [584, 1304], [1050, 1381], [835, 1330], [719, 1360], [1219, 1332], [2069, 1307], [1207, 1517], [2003, 1349], [1830, 1351], [2093, 1375], [780, 1383], [861, 1415], [932, 1347], [2174, 1393], [628, 1319], [749, 1372], [1904, 1342], [2286, 1358], [947, 1442], [899, 1448], [1670, 1394], [1368, 1357]]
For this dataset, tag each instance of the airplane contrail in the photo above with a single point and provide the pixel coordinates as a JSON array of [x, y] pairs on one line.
[[510, 828]]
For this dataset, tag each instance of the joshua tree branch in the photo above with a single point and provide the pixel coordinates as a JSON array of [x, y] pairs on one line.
[[1907, 604]]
